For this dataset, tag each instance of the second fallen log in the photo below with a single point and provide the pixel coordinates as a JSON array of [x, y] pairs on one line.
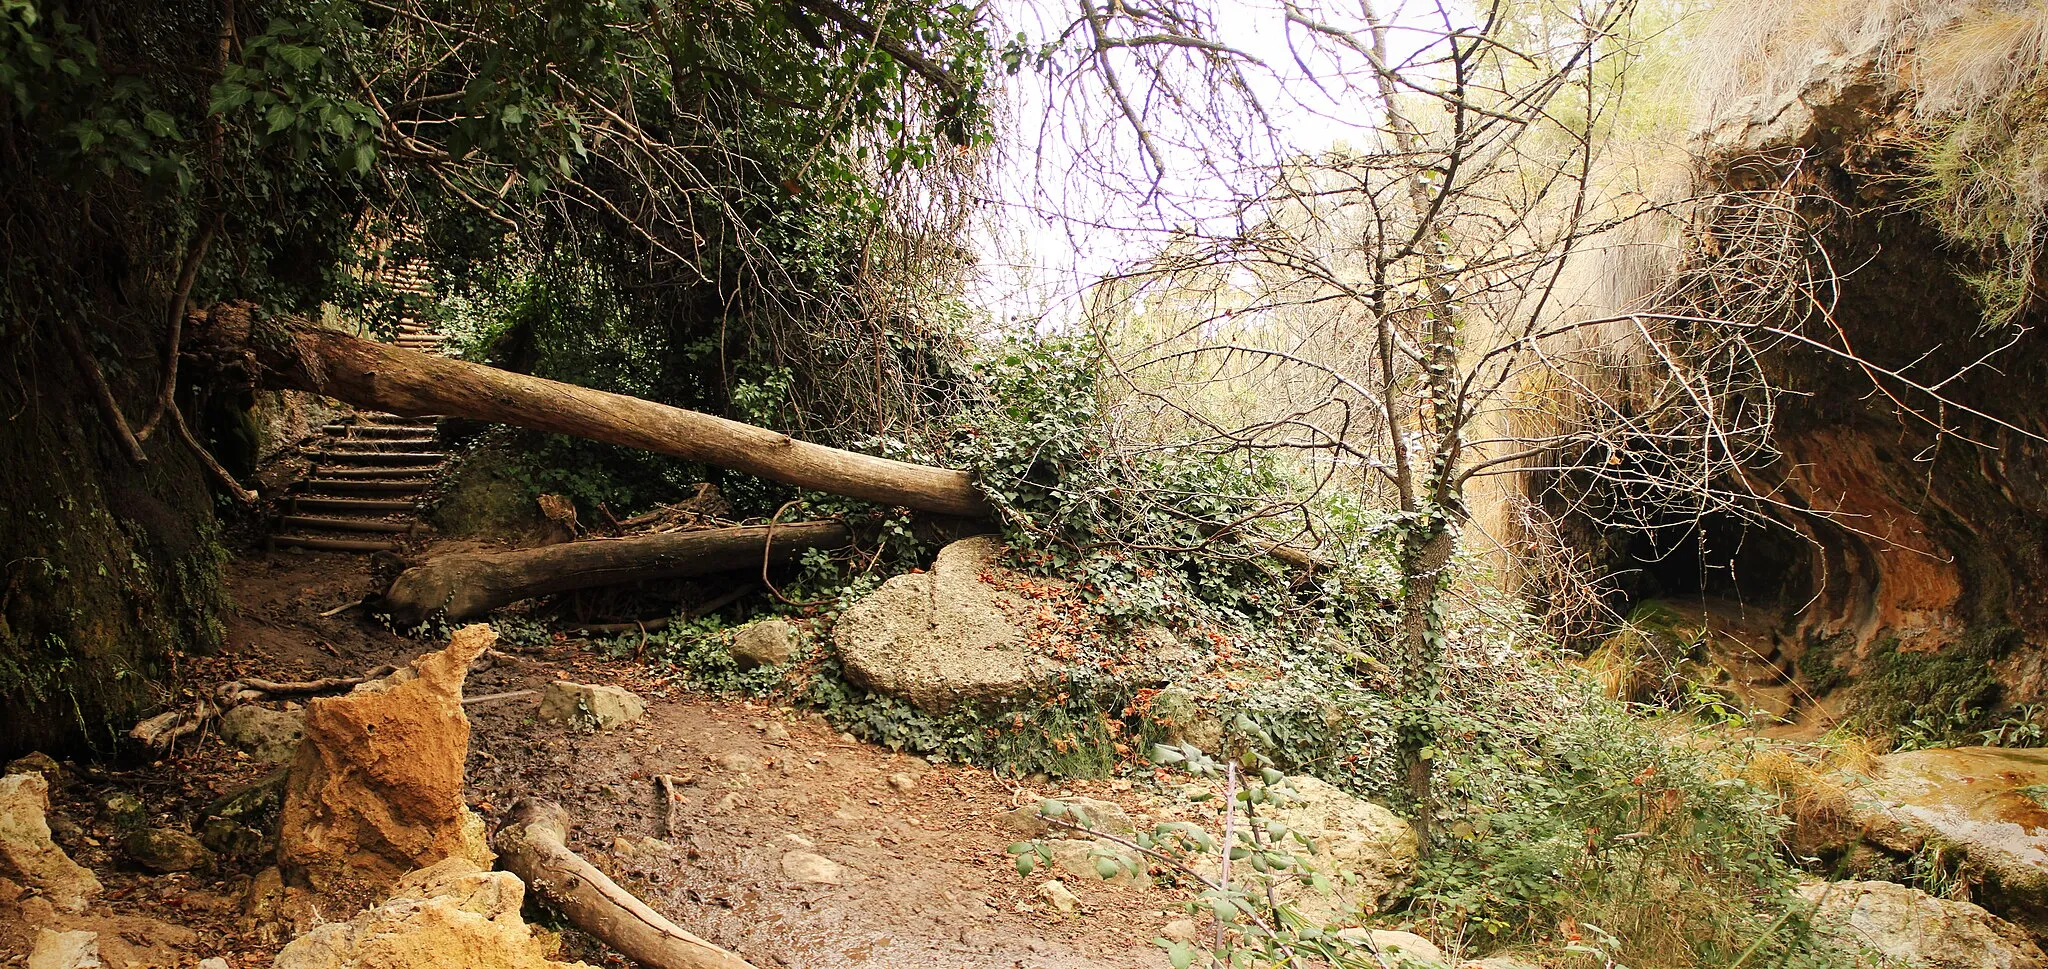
[[466, 585]]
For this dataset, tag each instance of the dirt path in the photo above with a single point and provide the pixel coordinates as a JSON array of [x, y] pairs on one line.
[[924, 878]]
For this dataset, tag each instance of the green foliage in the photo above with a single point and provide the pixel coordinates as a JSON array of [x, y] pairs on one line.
[[1591, 831], [1930, 699]]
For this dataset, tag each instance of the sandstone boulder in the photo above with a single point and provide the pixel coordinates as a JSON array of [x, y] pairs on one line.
[[270, 736], [590, 706], [812, 868], [451, 914], [764, 642], [1911, 929], [1090, 859], [1039, 820], [1399, 950], [376, 790], [26, 852], [946, 637]]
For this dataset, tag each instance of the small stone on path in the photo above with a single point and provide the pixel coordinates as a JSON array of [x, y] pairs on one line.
[[590, 705], [1056, 895], [65, 950], [812, 868]]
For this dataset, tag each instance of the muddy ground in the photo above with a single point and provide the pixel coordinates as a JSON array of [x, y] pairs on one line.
[[926, 883]]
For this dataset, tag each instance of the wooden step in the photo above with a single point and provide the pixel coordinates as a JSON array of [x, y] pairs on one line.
[[380, 430], [351, 524], [325, 544], [368, 486], [393, 420], [382, 506], [408, 473], [377, 457], [377, 445]]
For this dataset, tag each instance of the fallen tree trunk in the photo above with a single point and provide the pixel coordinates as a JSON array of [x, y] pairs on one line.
[[534, 847], [468, 584], [301, 356]]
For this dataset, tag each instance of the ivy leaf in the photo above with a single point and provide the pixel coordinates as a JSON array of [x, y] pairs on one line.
[[280, 117]]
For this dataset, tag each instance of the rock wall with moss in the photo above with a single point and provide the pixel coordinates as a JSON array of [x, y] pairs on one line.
[[110, 567], [1917, 579]]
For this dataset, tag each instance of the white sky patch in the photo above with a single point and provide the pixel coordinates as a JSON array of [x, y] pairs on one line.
[[1076, 196]]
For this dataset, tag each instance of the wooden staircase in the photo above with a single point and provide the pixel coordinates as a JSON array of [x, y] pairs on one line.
[[370, 472]]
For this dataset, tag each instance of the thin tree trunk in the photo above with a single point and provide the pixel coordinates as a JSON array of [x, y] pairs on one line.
[[467, 585], [378, 375], [1424, 560]]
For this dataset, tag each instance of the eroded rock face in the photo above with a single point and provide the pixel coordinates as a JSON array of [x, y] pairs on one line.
[[376, 790], [943, 638], [1915, 930], [451, 914], [26, 852], [1974, 800]]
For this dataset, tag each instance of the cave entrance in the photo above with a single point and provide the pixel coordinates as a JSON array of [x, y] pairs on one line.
[[1716, 556]]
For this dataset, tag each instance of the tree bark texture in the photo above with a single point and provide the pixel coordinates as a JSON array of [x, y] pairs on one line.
[[534, 847], [467, 585], [365, 373]]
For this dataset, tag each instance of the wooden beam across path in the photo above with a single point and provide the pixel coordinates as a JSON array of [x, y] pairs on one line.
[[380, 376]]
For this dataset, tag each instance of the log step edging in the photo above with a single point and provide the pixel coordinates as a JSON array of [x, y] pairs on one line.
[[352, 524]]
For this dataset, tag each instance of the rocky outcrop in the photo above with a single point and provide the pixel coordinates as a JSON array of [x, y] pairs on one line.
[[1911, 929], [26, 852], [1980, 807], [376, 790], [1922, 566], [451, 914], [947, 637], [1365, 849]]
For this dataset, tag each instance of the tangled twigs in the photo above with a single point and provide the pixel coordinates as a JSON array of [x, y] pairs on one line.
[[158, 732]]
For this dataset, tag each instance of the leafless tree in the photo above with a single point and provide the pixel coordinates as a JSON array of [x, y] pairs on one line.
[[1465, 294]]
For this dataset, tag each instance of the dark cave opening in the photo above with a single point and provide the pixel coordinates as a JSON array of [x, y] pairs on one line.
[[1720, 556]]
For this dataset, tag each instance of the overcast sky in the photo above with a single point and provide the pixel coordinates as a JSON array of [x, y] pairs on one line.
[[1073, 193]]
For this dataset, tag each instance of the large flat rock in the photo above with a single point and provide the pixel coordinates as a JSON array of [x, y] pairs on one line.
[[1985, 802], [949, 637]]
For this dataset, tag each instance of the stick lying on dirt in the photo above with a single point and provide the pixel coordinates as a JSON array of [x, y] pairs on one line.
[[158, 731], [466, 585], [534, 847]]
